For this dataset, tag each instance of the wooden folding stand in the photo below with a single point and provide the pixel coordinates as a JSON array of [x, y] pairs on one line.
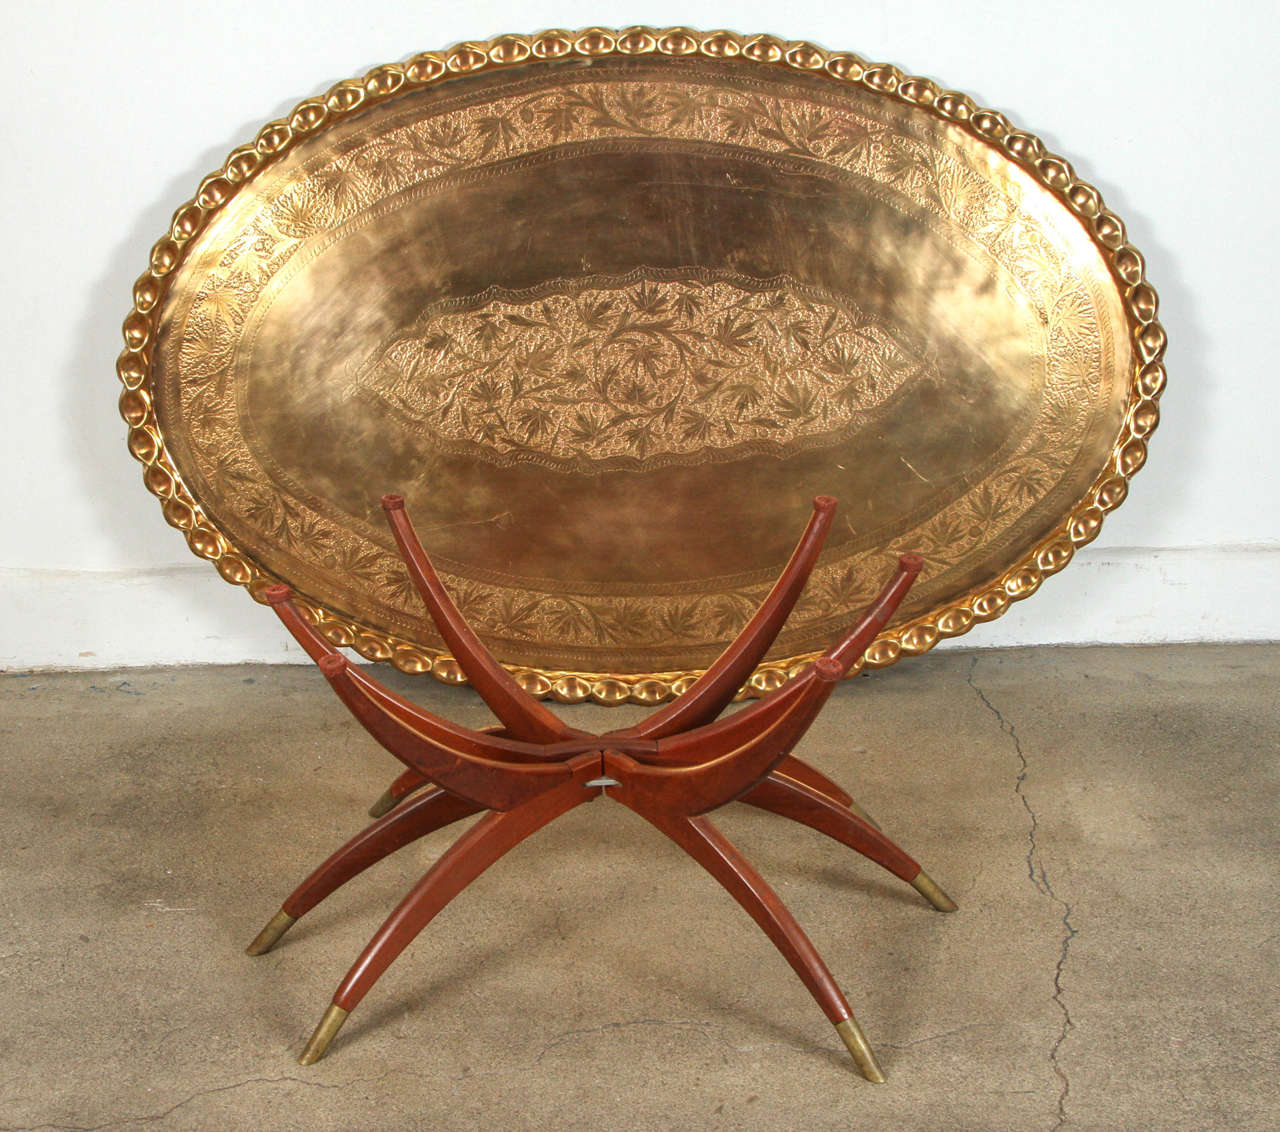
[[672, 769]]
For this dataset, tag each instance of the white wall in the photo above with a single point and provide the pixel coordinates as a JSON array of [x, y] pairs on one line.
[[114, 112]]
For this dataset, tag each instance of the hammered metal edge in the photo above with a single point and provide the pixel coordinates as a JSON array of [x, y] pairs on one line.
[[1078, 528]]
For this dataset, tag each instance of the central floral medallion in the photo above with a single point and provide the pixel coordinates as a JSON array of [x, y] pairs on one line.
[[651, 368]]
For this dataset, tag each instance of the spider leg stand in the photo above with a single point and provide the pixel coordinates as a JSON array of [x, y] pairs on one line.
[[674, 768]]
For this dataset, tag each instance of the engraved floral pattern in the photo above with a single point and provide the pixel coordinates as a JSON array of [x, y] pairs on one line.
[[596, 424], [644, 369]]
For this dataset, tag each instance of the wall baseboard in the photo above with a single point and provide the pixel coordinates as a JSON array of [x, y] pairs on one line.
[[187, 615]]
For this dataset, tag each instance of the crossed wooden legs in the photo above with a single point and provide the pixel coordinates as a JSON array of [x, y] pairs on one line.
[[499, 832], [673, 769], [814, 801], [411, 781], [435, 808]]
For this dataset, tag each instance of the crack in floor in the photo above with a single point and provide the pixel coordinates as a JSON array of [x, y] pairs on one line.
[[1040, 880], [232, 1086], [569, 1035]]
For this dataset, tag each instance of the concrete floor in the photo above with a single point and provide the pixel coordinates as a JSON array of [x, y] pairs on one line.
[[1106, 818]]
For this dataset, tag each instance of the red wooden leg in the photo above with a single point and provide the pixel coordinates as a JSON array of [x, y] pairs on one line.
[[433, 810], [484, 843], [781, 795], [801, 771], [715, 853], [523, 716], [408, 781]]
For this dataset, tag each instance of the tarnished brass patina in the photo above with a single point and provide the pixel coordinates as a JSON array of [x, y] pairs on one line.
[[322, 1038], [266, 939], [864, 1057], [609, 308], [928, 888]]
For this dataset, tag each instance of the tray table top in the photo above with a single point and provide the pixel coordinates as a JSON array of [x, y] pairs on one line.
[[608, 313]]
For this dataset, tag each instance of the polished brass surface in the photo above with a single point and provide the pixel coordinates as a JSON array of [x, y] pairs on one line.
[[608, 327], [924, 884], [856, 1043], [324, 1034], [266, 939]]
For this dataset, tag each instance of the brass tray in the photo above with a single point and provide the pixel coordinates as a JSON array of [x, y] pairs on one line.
[[609, 308]]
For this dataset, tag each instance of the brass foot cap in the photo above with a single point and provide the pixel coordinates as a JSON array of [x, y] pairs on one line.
[[266, 939], [924, 885], [328, 1029], [856, 1043], [383, 805]]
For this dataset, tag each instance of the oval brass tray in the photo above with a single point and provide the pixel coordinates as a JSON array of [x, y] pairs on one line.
[[609, 308]]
